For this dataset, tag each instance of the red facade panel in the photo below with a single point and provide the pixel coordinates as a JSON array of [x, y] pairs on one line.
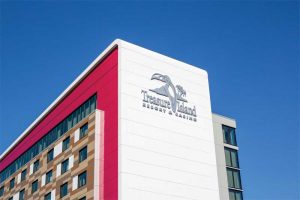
[[103, 80]]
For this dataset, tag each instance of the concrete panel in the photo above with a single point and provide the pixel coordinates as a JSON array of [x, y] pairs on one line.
[[163, 155]]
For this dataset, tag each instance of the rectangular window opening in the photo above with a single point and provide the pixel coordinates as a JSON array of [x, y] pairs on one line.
[[64, 166], [83, 154], [83, 130], [50, 155], [82, 179], [63, 190], [34, 186]]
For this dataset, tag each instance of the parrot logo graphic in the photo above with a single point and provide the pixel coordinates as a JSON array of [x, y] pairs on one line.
[[174, 93]]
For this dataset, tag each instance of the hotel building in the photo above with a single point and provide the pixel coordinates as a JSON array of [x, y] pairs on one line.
[[134, 125]]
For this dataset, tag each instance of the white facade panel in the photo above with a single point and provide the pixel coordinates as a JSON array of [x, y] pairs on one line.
[[57, 149], [43, 180], [75, 183], [71, 162], [31, 169], [99, 128], [16, 196], [58, 170], [19, 178], [53, 195], [163, 155], [76, 135]]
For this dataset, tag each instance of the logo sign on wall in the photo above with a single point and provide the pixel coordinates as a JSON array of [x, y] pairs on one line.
[[168, 99]]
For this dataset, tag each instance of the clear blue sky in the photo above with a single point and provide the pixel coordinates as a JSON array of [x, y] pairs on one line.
[[250, 50]]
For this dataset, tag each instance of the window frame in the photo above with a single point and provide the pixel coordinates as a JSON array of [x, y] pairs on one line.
[[83, 131], [232, 163], [83, 174], [63, 170], [235, 193], [66, 143], [1, 191], [12, 183], [23, 175], [46, 196], [22, 191], [34, 183], [231, 137], [50, 155], [61, 190], [82, 150], [36, 166], [233, 177], [48, 180]]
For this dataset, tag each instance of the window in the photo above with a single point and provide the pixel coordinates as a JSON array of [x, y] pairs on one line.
[[48, 196], [83, 154], [234, 179], [50, 155], [83, 130], [22, 194], [229, 135], [1, 191], [12, 183], [82, 179], [83, 198], [66, 144], [63, 190], [64, 166], [10, 198], [36, 165], [59, 130], [34, 186], [49, 176], [23, 174], [235, 195], [231, 157]]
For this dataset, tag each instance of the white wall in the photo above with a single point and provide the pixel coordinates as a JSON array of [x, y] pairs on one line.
[[218, 121], [162, 156]]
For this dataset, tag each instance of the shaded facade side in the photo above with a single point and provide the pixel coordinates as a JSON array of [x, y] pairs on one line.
[[229, 175]]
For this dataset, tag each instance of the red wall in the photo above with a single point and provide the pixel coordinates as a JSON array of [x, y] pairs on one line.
[[103, 80]]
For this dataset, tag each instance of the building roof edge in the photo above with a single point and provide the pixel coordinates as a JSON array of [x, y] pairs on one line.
[[98, 59]]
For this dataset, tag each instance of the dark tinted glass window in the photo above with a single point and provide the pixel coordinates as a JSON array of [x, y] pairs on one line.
[[63, 190], [48, 196], [231, 195], [34, 186], [83, 154], [22, 194], [84, 130], [82, 179], [1, 191], [23, 175], [10, 198], [12, 183], [83, 198], [82, 111], [66, 144], [229, 135], [231, 156], [235, 195], [48, 176], [234, 179], [50, 155], [64, 166], [36, 165], [238, 195]]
